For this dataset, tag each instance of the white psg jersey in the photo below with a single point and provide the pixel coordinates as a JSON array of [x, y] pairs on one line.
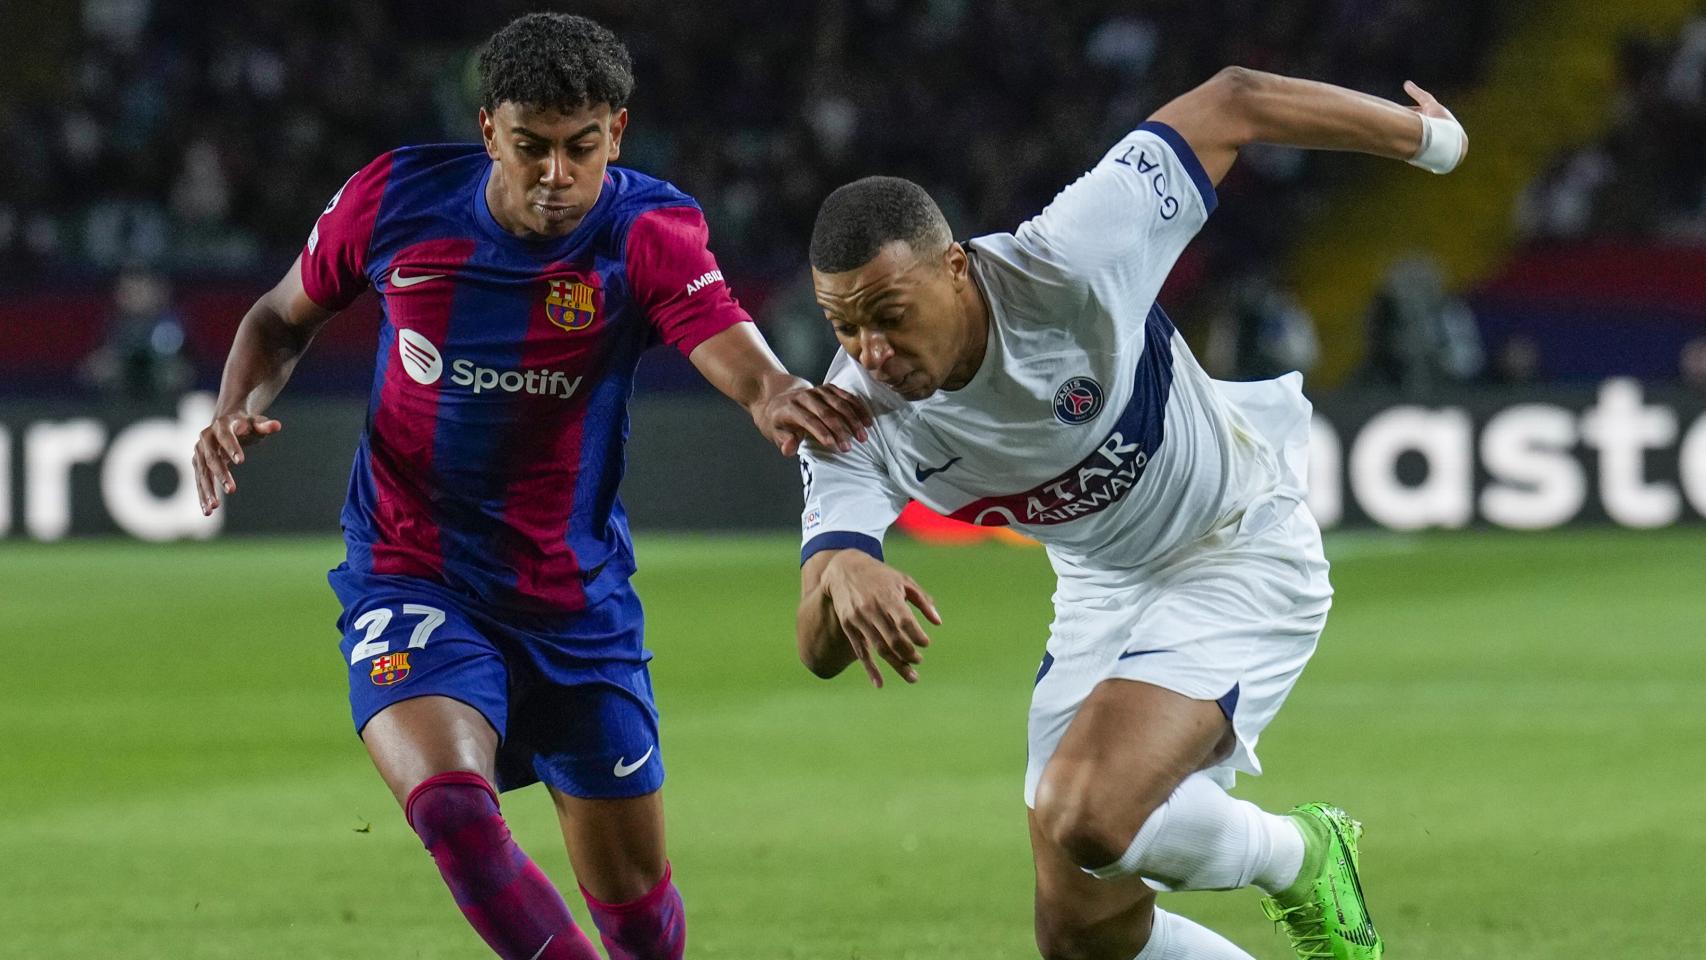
[[1089, 426]]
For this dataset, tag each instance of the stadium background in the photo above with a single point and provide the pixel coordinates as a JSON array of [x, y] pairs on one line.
[[1509, 365]]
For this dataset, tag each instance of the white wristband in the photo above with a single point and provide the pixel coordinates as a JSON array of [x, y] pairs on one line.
[[1443, 144]]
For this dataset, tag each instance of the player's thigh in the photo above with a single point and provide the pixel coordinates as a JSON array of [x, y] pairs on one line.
[[616, 845], [412, 740], [428, 689], [1081, 917], [1128, 747]]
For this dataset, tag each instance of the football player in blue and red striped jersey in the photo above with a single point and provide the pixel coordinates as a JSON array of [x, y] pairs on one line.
[[491, 633]]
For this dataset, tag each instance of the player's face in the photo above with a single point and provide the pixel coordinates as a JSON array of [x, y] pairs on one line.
[[904, 317], [548, 166]]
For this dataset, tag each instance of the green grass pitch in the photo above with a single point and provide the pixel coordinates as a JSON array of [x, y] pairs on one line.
[[1518, 722]]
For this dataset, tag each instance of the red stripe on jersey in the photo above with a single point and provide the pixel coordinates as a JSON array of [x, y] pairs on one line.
[[405, 424], [539, 499], [334, 260], [675, 279]]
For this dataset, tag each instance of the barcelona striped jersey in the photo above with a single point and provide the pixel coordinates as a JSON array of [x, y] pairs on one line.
[[493, 443]]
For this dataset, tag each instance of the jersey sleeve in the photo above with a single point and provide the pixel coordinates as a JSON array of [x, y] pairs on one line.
[[1122, 225], [676, 280], [850, 501], [334, 261]]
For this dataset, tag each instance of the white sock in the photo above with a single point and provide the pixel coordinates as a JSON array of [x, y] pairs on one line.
[[1203, 839], [1175, 938]]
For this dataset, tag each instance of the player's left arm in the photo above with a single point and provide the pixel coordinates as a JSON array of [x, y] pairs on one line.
[[785, 408], [1239, 106], [854, 607]]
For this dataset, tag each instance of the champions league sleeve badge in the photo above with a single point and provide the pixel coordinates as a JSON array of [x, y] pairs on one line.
[[1078, 401]]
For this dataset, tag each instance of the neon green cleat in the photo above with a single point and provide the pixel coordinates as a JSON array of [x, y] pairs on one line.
[[1323, 913]]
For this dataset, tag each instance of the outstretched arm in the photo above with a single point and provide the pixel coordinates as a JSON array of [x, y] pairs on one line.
[[1239, 106], [272, 337], [785, 408]]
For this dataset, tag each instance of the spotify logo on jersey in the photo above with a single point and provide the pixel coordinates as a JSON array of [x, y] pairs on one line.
[[420, 357]]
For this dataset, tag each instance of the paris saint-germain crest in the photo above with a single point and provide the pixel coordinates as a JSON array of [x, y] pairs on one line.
[[1077, 401], [572, 304]]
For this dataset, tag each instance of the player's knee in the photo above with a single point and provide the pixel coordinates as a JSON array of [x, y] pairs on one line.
[[443, 807], [1094, 829], [1068, 936], [1063, 942]]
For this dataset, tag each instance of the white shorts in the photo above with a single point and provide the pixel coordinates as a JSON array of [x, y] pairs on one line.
[[1232, 618]]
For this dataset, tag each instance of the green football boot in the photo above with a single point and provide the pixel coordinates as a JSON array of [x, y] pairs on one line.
[[1323, 913]]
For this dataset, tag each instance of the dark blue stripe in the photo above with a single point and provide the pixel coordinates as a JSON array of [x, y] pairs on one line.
[[1188, 157], [597, 530], [476, 439], [1042, 671], [841, 540], [1229, 701]]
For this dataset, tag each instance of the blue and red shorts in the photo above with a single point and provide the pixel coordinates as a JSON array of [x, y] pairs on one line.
[[586, 725]]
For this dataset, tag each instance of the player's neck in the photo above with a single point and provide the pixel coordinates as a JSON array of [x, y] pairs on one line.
[[974, 311]]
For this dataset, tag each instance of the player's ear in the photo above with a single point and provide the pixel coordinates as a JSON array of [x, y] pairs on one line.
[[618, 124], [958, 264], [489, 133]]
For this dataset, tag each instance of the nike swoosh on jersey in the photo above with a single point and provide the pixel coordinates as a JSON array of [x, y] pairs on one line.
[[542, 946], [624, 769], [398, 280], [924, 473]]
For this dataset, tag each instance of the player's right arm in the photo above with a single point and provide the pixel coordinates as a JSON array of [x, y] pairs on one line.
[[272, 337], [330, 273]]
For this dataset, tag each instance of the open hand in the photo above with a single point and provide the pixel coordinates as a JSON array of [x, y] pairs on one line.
[[871, 602], [220, 447]]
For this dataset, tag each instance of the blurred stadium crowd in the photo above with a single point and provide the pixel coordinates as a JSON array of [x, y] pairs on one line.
[[1646, 175], [180, 139], [186, 133]]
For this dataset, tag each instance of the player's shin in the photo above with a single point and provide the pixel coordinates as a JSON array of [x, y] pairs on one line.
[[505, 896], [1204, 839], [654, 927]]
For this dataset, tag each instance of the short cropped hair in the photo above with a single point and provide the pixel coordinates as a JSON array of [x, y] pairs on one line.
[[858, 219], [555, 61]]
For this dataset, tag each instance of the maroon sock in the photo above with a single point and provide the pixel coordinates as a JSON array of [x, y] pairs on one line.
[[653, 927], [505, 896]]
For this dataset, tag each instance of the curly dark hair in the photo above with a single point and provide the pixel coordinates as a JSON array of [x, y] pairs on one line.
[[858, 219], [557, 61]]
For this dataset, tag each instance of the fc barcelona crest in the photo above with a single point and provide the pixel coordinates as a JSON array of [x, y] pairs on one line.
[[572, 305], [390, 668]]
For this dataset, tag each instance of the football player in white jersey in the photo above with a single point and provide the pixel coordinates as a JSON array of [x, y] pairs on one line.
[[1030, 380]]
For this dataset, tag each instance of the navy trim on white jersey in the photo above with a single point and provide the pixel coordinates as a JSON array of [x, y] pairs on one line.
[[841, 540], [1188, 157]]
